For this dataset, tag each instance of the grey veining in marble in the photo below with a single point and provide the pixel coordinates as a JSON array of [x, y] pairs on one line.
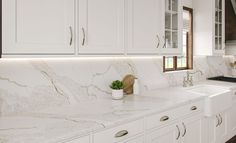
[[27, 85], [41, 100]]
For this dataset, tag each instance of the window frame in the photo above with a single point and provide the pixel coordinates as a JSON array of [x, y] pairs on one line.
[[189, 50]]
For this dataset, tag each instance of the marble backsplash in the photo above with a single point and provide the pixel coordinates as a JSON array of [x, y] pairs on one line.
[[28, 85]]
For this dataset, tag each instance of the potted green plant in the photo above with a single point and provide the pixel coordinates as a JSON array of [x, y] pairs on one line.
[[117, 89]]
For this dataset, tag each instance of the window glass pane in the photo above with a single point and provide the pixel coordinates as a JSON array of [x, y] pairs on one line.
[[169, 63]]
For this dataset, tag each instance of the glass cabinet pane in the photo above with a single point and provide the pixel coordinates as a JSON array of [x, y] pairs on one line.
[[168, 5], [216, 30], [217, 4], [216, 16], [175, 21], [168, 39], [220, 16], [167, 20], [220, 30], [175, 39], [220, 4], [175, 5], [216, 43], [220, 44]]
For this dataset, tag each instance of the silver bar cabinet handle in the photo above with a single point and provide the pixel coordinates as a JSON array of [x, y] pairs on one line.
[[218, 121], [121, 133], [71, 35], [185, 130], [83, 41], [221, 120], [178, 132], [158, 40]]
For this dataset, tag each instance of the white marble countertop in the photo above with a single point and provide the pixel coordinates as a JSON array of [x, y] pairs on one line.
[[51, 125]]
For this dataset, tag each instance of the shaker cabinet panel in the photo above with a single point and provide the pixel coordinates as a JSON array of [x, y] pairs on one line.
[[169, 134], [38, 26], [145, 26], [101, 27], [192, 130]]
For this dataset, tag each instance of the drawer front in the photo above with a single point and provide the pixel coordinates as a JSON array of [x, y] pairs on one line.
[[79, 140], [119, 133], [189, 109], [160, 119], [168, 116]]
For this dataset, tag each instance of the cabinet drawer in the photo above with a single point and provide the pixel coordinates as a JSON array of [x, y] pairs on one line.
[[168, 116], [119, 133], [189, 109], [79, 140]]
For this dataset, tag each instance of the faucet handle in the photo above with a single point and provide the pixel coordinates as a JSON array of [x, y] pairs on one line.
[[191, 81], [185, 81]]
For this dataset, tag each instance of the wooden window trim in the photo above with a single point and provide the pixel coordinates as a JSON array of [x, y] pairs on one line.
[[189, 51]]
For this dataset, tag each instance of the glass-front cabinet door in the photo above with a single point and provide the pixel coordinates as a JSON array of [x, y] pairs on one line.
[[173, 26], [219, 21]]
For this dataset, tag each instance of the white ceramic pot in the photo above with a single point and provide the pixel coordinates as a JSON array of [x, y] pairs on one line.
[[117, 94]]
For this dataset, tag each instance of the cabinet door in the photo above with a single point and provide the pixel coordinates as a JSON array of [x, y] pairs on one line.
[[38, 26], [192, 130], [217, 128], [145, 30], [173, 28], [219, 47], [101, 27], [232, 120], [221, 131], [169, 134]]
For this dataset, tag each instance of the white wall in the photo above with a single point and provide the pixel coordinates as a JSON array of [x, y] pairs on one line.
[[188, 3]]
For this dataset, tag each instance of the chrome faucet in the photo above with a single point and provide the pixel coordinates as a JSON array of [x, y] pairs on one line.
[[188, 80]]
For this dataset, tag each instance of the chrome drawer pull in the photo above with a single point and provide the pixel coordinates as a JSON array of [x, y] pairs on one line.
[[164, 118], [178, 132], [121, 133], [158, 40], [71, 35], [185, 130], [193, 108], [221, 120], [83, 41], [218, 121]]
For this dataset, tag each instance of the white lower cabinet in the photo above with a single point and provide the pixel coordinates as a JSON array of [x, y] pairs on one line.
[[186, 131], [193, 130], [232, 121], [167, 134], [217, 128], [179, 125]]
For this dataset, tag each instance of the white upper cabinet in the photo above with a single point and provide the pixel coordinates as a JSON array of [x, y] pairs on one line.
[[173, 28], [92, 27], [38, 27], [101, 27], [154, 27], [209, 23], [145, 26]]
